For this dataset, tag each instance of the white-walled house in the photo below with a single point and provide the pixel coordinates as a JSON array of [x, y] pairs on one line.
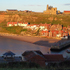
[[17, 24], [33, 27], [20, 24], [25, 24], [12, 24], [42, 27], [9, 24]]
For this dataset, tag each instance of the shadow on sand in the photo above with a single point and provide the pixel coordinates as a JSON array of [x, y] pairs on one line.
[[49, 44]]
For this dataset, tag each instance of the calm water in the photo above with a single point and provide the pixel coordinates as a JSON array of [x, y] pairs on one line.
[[18, 47]]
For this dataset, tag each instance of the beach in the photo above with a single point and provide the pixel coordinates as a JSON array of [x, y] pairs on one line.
[[32, 39]]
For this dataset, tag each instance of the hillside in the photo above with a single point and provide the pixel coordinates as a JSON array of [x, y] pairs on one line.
[[32, 18], [35, 18]]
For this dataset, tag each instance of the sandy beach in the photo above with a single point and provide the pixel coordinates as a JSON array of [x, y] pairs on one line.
[[31, 39]]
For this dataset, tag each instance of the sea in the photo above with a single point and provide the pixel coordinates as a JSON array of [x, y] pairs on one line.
[[18, 47]]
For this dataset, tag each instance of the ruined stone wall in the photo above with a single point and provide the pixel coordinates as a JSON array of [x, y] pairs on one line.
[[50, 10]]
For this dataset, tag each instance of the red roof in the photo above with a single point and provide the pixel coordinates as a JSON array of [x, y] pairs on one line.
[[20, 22], [45, 24], [38, 59], [54, 57], [61, 31], [12, 23], [55, 31], [26, 23], [64, 28], [45, 31], [32, 25], [29, 54], [66, 11]]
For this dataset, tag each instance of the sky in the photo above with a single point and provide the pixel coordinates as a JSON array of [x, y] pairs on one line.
[[34, 5]]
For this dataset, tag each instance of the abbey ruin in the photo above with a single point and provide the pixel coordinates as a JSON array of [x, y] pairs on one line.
[[50, 10]]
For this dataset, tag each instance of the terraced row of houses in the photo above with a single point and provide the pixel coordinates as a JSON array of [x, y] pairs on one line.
[[47, 30]]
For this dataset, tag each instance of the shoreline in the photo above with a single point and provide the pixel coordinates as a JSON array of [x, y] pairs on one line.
[[31, 39]]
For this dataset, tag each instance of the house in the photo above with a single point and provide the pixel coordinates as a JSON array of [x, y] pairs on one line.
[[61, 33], [54, 33], [53, 27], [54, 58], [66, 12], [45, 33], [12, 24], [25, 24], [12, 10], [17, 24], [45, 26], [9, 24], [65, 28], [69, 32], [42, 26], [41, 59], [34, 26], [59, 27], [50, 34], [20, 24], [27, 11], [64, 34], [56, 27], [68, 27], [34, 56]]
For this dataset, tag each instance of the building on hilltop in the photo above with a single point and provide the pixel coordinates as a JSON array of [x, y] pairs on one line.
[[12, 11], [66, 12], [51, 10]]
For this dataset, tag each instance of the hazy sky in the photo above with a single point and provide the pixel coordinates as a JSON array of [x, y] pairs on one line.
[[34, 5]]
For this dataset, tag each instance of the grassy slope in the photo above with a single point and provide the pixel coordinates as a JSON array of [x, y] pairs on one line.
[[37, 18], [33, 18]]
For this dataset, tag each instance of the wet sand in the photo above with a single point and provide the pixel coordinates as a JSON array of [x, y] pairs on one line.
[[31, 39]]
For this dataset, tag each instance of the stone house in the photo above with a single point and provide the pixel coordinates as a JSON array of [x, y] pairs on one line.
[[56, 27]]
